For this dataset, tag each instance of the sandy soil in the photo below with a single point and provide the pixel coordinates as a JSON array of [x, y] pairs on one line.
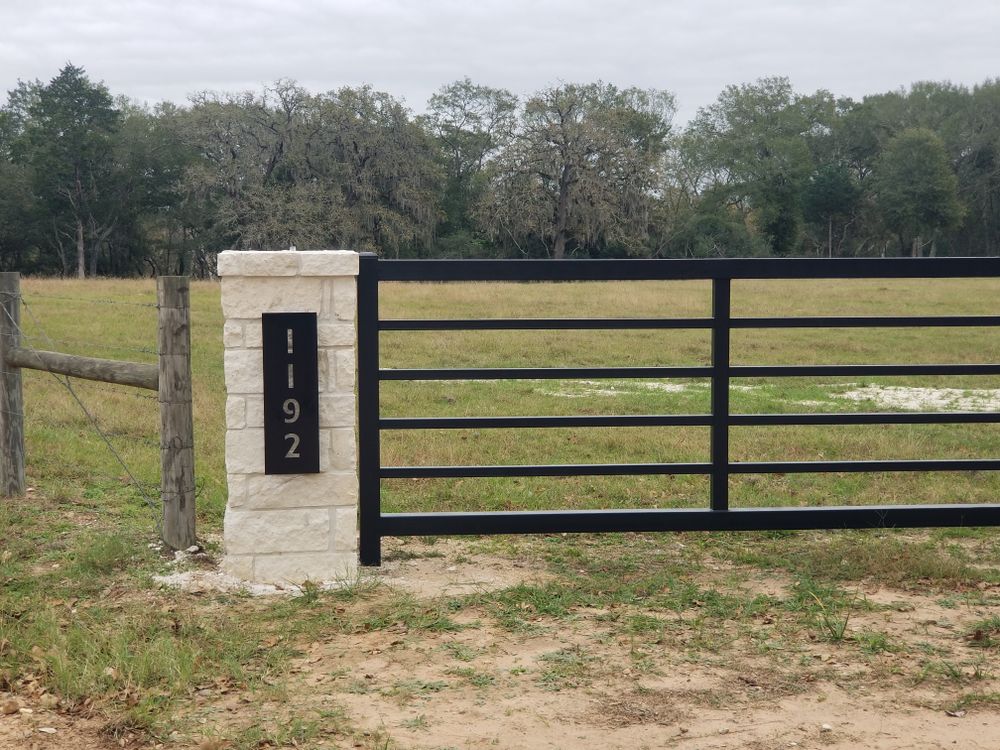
[[584, 681]]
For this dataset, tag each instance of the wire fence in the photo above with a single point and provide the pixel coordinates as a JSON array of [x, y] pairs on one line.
[[101, 408]]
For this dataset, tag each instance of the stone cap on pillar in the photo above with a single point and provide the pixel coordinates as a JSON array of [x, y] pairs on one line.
[[288, 263]]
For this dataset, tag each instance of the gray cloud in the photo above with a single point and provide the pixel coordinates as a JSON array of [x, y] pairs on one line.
[[153, 50]]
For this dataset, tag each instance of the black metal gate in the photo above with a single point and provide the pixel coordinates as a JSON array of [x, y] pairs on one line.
[[718, 516]]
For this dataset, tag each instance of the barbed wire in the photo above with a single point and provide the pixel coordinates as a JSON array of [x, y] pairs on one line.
[[92, 300], [101, 345], [65, 381], [131, 393]]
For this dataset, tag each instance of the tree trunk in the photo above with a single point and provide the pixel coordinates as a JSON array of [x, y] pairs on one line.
[[81, 251], [562, 213], [93, 258], [829, 236], [918, 248]]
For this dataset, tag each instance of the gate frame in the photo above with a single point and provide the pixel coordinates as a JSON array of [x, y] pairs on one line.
[[718, 516]]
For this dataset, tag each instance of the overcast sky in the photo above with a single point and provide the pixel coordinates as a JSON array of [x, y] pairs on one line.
[[166, 49]]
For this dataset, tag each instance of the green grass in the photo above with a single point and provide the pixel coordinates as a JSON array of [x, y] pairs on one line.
[[78, 616]]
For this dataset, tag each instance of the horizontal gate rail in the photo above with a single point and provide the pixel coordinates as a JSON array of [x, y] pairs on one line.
[[548, 324], [555, 324], [718, 516], [686, 270], [543, 373], [463, 423], [688, 519], [885, 417], [543, 470]]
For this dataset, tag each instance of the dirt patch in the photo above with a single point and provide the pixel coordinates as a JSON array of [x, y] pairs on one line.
[[32, 727], [583, 681], [449, 568], [927, 399]]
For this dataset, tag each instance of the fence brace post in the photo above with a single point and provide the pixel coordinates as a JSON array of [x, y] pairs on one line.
[[176, 418], [11, 397]]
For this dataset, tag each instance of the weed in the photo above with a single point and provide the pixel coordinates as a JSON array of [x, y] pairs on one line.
[[406, 690], [567, 667], [982, 632], [473, 677], [292, 732], [874, 642], [460, 651], [417, 722], [310, 592], [407, 613]]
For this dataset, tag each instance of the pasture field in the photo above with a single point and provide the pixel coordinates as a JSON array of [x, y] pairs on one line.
[[816, 639]]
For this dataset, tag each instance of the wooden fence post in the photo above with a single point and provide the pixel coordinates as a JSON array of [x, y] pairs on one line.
[[176, 420], [11, 398]]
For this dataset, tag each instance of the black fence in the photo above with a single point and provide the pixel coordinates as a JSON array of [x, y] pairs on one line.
[[718, 516]]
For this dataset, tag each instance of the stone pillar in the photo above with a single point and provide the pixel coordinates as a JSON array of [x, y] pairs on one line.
[[286, 529]]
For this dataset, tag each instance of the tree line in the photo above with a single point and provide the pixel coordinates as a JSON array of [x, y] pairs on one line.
[[95, 184]]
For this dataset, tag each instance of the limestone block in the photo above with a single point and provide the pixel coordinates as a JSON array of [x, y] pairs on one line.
[[254, 413], [238, 566], [328, 263], [244, 297], [327, 375], [236, 413], [232, 334], [237, 484], [345, 296], [244, 370], [253, 334], [295, 569], [278, 491], [345, 529], [261, 531], [343, 365], [245, 451], [335, 334], [336, 410], [257, 263], [342, 449]]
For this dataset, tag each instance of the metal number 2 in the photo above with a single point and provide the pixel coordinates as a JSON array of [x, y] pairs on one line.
[[293, 450]]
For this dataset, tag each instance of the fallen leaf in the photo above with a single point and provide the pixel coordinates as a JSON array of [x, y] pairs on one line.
[[956, 714], [47, 730]]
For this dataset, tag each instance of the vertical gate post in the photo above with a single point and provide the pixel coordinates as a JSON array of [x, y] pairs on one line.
[[286, 528], [720, 394], [11, 398], [176, 418], [368, 411]]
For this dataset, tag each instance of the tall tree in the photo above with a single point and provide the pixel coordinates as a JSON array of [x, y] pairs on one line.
[[471, 124], [831, 196], [69, 141], [916, 188], [756, 135], [581, 173]]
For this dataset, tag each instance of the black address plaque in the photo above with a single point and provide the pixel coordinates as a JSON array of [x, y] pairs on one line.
[[291, 393]]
